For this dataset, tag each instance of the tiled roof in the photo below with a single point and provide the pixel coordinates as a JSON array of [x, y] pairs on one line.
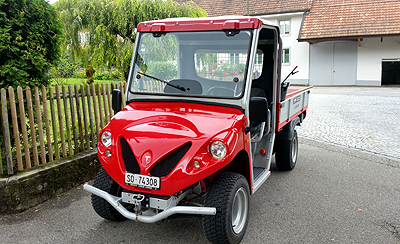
[[256, 7], [325, 19], [351, 18]]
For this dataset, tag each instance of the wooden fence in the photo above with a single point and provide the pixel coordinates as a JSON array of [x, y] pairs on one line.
[[52, 123]]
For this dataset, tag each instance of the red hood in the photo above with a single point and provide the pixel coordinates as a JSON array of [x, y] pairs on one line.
[[163, 127], [155, 129]]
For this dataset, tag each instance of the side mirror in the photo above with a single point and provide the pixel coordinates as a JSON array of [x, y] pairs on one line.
[[258, 109], [116, 100], [284, 89]]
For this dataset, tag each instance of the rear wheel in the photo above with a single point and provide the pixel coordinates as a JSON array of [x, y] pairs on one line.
[[229, 194], [104, 182], [286, 152]]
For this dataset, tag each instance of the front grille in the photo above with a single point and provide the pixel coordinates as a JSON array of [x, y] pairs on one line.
[[130, 162], [167, 164]]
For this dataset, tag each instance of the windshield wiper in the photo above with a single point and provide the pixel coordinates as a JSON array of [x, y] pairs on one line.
[[166, 82]]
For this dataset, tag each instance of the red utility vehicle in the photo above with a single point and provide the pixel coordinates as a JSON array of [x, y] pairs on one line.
[[205, 113]]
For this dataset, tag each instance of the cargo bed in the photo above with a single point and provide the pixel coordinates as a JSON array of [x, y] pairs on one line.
[[296, 103]]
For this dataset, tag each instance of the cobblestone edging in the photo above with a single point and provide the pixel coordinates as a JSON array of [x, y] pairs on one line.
[[31, 187]]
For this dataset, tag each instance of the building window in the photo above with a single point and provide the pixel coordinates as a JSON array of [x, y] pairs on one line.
[[234, 58], [284, 26], [258, 65], [286, 56], [260, 56]]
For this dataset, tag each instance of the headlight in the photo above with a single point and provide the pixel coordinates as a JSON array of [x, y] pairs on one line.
[[106, 138], [218, 150]]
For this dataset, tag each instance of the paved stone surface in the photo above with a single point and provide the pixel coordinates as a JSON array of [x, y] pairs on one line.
[[365, 118]]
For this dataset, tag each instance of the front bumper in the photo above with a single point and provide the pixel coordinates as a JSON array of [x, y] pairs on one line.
[[149, 216]]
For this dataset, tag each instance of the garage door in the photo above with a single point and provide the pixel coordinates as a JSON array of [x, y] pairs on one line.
[[333, 63], [391, 72]]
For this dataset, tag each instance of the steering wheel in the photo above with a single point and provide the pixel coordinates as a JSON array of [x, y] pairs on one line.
[[221, 91]]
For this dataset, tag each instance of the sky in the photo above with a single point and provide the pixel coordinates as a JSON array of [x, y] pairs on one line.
[[51, 1]]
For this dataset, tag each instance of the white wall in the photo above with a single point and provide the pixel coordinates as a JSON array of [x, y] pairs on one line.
[[370, 56], [299, 51]]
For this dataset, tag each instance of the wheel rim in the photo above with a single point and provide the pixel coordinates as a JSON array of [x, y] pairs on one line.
[[239, 210], [294, 149]]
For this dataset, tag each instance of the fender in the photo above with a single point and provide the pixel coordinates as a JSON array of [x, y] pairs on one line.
[[287, 131]]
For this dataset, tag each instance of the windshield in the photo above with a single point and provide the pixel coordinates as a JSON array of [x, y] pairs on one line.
[[201, 64]]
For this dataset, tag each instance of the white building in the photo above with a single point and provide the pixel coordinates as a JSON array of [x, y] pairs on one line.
[[333, 42]]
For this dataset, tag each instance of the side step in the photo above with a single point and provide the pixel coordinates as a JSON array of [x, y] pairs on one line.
[[260, 175]]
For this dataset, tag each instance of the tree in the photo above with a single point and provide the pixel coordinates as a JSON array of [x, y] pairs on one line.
[[30, 34], [103, 31]]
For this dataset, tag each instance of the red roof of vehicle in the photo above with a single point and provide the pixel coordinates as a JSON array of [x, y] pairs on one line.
[[202, 24]]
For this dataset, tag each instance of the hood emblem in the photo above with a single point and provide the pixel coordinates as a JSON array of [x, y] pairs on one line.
[[146, 158]]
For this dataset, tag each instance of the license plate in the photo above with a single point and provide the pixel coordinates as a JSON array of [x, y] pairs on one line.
[[143, 181]]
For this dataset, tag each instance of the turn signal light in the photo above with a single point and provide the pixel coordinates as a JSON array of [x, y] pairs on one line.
[[196, 164], [107, 153]]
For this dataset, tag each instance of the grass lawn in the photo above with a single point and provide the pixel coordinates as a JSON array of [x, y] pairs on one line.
[[78, 81]]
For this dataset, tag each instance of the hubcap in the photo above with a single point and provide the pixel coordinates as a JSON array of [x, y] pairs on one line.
[[294, 149], [239, 210]]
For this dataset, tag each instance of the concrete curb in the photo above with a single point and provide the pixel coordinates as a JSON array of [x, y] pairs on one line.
[[41, 183]]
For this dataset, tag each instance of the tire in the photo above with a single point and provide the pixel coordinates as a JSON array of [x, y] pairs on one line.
[[104, 182], [286, 152], [229, 194]]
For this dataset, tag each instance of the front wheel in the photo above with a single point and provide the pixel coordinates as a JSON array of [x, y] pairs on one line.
[[229, 194], [104, 182], [286, 152]]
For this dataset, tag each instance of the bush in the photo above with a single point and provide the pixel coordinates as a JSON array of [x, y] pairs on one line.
[[162, 70], [116, 75], [63, 69], [79, 74], [30, 34], [101, 76], [226, 70]]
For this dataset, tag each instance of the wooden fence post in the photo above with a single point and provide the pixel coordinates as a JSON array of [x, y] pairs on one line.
[[73, 119], [23, 127], [78, 111], [100, 108], [54, 123], [6, 133], [105, 102], [67, 121], [47, 123], [84, 114], [122, 93], [14, 118], [32, 125], [111, 112], [96, 116], [40, 125], [90, 111], [60, 122]]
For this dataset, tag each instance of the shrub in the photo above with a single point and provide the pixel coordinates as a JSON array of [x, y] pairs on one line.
[[116, 75], [64, 69], [79, 74], [30, 34], [162, 70], [101, 76]]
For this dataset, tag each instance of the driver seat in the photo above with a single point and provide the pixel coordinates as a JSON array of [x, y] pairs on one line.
[[257, 129]]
